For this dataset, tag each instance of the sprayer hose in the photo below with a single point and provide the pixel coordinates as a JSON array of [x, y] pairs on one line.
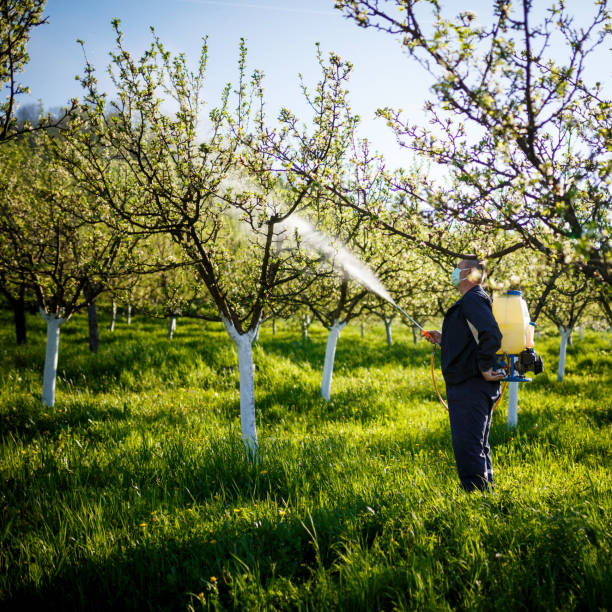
[[435, 384]]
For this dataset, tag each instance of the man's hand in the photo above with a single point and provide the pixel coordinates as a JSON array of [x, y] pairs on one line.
[[433, 336], [493, 375]]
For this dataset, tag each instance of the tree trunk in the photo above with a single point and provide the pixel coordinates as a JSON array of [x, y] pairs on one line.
[[50, 371], [113, 316], [256, 335], [129, 314], [415, 335], [512, 404], [580, 336], [305, 325], [274, 327], [330, 353], [538, 334], [92, 318], [388, 331], [362, 329], [565, 334], [171, 327], [246, 370], [19, 316], [570, 340]]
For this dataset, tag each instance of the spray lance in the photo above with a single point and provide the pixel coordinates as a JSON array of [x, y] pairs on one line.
[[430, 337]]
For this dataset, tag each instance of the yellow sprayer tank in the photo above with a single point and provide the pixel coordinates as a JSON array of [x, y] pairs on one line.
[[512, 316]]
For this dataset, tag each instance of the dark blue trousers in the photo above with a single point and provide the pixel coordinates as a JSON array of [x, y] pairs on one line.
[[470, 407]]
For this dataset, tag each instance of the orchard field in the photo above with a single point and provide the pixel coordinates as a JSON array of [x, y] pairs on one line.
[[134, 491]]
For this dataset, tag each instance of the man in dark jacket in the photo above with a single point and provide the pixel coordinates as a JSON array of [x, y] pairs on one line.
[[470, 338]]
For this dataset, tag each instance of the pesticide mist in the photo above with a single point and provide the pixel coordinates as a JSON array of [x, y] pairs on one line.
[[329, 248]]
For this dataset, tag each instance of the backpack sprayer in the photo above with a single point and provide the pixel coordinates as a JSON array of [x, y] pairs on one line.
[[516, 355]]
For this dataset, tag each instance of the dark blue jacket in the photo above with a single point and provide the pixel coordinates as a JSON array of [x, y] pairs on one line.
[[462, 356]]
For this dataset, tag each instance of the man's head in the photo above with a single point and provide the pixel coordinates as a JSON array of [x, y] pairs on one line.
[[470, 271]]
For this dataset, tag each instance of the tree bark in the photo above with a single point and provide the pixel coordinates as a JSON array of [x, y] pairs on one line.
[[51, 355], [565, 334], [274, 327], [512, 404], [362, 329], [415, 335], [113, 316], [330, 354], [92, 318], [246, 370], [388, 331], [305, 325], [171, 327], [19, 316], [129, 314]]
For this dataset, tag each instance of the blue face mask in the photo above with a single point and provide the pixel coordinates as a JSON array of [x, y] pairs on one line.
[[456, 276]]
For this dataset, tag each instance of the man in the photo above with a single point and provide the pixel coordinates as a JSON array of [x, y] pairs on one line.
[[470, 338]]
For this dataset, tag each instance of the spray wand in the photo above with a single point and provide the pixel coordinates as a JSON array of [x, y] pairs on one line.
[[424, 333]]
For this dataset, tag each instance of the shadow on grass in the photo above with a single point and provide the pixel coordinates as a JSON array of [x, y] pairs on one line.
[[351, 353], [280, 562], [26, 419], [355, 404], [171, 573]]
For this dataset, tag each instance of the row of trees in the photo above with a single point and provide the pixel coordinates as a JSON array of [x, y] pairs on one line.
[[236, 224]]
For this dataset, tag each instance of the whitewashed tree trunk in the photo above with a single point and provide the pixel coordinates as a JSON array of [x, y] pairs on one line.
[[129, 314], [565, 334], [362, 329], [610, 335], [512, 404], [330, 354], [415, 335], [581, 332], [244, 347], [113, 316], [171, 327], [256, 335], [570, 340], [388, 331], [305, 324], [274, 327], [538, 334], [52, 351]]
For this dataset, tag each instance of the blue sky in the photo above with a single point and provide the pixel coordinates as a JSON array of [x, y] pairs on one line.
[[280, 37]]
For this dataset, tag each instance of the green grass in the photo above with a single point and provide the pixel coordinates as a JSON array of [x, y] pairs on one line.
[[134, 492]]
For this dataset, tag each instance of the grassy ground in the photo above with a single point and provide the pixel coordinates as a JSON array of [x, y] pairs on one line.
[[133, 492]]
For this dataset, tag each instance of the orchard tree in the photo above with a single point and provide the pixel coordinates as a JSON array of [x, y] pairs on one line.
[[570, 296], [55, 239], [156, 172], [17, 20], [14, 287], [524, 136], [176, 290]]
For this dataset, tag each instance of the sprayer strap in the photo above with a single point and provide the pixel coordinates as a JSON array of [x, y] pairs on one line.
[[473, 330]]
